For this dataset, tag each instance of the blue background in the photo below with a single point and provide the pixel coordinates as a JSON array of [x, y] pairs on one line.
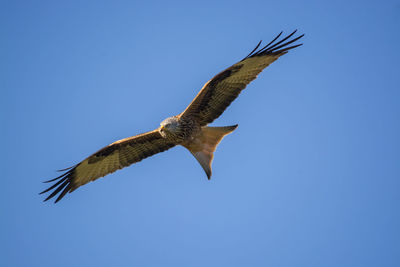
[[310, 177]]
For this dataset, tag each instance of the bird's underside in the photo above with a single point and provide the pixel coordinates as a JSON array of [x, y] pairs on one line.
[[188, 129]]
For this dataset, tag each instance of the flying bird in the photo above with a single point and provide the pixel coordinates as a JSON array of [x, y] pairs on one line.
[[188, 129]]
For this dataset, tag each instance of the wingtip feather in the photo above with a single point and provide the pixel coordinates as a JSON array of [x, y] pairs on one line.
[[275, 46], [63, 185]]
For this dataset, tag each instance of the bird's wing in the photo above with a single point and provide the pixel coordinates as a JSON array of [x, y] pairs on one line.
[[219, 92], [107, 160]]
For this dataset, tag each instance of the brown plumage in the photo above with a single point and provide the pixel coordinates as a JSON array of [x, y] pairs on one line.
[[188, 129]]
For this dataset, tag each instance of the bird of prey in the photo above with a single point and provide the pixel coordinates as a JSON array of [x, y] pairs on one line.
[[188, 129]]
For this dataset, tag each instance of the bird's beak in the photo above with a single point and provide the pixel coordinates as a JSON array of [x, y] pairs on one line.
[[161, 131]]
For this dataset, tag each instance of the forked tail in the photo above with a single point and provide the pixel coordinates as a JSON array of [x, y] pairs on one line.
[[204, 145]]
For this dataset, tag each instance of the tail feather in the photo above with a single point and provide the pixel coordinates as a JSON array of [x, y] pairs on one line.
[[203, 147]]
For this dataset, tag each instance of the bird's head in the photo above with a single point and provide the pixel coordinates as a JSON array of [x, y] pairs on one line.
[[169, 125]]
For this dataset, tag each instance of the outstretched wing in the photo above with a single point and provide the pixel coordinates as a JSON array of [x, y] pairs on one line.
[[107, 160], [219, 92]]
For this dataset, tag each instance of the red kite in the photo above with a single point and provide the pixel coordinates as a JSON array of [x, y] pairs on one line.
[[188, 129]]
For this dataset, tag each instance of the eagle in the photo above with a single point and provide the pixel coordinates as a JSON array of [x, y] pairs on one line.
[[189, 129]]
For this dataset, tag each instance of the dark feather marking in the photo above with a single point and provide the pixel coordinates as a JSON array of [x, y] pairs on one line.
[[58, 189], [66, 169], [272, 47], [225, 74], [267, 46], [61, 176], [253, 50], [284, 39], [54, 185], [66, 189], [108, 150], [213, 86], [65, 181], [264, 48], [287, 48], [287, 43], [102, 153]]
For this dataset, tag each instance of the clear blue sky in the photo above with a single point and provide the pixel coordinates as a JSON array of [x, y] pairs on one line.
[[310, 178]]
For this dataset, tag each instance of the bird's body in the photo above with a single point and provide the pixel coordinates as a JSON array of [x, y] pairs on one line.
[[178, 129], [188, 129], [201, 141]]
